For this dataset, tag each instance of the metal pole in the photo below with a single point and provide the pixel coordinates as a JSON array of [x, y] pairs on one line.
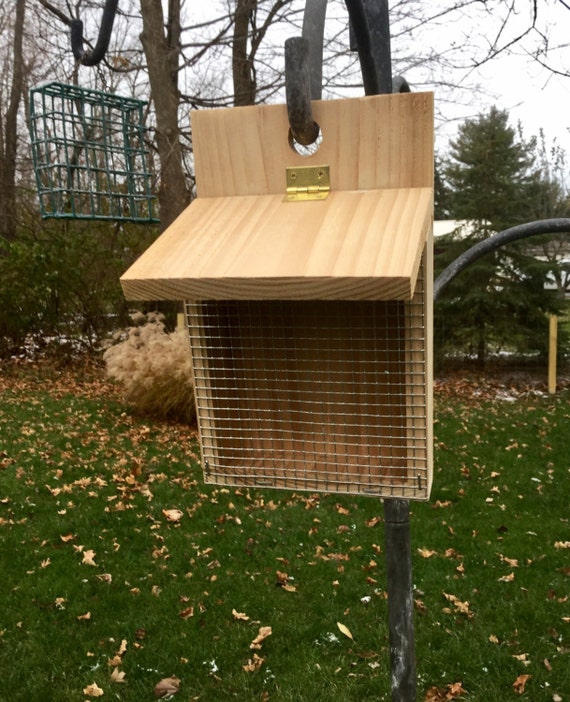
[[400, 599]]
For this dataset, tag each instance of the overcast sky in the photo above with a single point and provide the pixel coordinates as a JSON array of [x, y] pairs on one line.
[[537, 96]]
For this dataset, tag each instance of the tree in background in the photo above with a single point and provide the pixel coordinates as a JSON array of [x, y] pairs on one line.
[[494, 182], [14, 85]]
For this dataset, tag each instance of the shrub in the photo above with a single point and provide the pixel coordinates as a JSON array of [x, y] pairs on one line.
[[154, 367]]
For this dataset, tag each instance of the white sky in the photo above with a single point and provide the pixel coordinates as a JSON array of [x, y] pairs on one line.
[[536, 96]]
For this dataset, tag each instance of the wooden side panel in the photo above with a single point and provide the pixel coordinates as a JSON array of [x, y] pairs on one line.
[[419, 379], [376, 142]]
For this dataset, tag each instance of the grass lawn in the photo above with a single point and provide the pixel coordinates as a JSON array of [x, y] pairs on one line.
[[119, 568]]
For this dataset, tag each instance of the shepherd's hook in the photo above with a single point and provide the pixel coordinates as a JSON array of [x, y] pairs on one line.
[[94, 57]]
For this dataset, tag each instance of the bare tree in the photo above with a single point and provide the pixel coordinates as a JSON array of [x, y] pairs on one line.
[[162, 49], [9, 129]]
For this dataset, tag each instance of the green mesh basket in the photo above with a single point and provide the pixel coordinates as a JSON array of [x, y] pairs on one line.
[[89, 155]]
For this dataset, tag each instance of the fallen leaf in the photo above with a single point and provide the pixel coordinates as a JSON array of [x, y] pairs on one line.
[[507, 578], [45, 562], [373, 522], [493, 639], [240, 616], [105, 577], [173, 515], [84, 617], [561, 544], [117, 676], [426, 553], [93, 690], [462, 607], [167, 687], [264, 632], [254, 664], [455, 689], [520, 684], [345, 630], [89, 557], [522, 657]]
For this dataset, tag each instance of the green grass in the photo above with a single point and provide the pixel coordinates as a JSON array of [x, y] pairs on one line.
[[79, 474]]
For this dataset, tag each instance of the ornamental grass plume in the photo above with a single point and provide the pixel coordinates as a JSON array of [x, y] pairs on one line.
[[154, 368]]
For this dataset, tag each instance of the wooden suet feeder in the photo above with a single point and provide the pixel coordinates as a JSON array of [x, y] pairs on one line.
[[308, 287], [90, 156]]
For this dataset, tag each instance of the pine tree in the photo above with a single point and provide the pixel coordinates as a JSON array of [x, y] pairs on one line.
[[499, 302]]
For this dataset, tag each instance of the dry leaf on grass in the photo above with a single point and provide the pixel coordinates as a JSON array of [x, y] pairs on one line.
[[345, 630], [93, 690], [440, 694], [89, 557], [254, 664], [173, 515], [240, 616], [167, 687], [507, 578], [117, 676], [520, 684], [264, 632], [461, 607]]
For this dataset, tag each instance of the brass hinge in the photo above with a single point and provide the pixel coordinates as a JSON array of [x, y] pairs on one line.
[[308, 183]]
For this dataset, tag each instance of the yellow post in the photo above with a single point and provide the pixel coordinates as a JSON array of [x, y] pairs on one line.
[[552, 352]]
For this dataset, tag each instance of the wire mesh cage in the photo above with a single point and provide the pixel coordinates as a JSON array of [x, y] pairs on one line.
[[89, 155], [314, 395]]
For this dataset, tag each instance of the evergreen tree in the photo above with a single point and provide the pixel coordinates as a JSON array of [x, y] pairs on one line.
[[493, 183]]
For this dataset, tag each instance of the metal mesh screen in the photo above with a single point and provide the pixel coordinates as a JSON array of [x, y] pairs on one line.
[[89, 155], [313, 395]]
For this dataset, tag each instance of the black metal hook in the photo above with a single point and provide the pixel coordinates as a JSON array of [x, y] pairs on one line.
[[304, 129], [94, 57], [370, 33]]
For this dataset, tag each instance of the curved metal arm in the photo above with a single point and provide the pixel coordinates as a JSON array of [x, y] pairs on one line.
[[314, 32], [360, 25], [304, 59], [95, 56], [507, 236], [298, 91]]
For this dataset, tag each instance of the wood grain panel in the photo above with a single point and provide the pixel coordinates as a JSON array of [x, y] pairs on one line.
[[356, 244], [382, 141]]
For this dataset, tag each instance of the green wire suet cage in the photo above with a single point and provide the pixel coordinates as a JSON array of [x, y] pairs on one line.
[[89, 155]]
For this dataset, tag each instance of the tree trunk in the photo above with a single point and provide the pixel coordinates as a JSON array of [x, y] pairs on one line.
[[9, 132], [242, 63], [162, 55], [481, 344]]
